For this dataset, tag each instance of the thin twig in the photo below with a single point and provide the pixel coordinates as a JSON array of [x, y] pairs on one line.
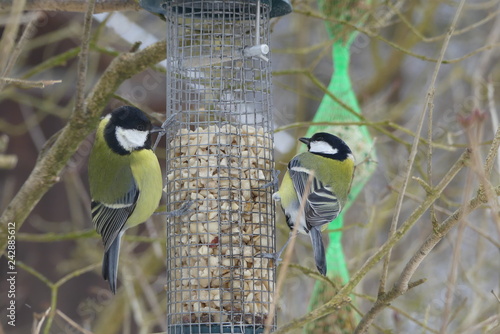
[[76, 273], [376, 35], [398, 310], [83, 58], [414, 148], [494, 294], [78, 109], [453, 275], [412, 265], [375, 125], [52, 62], [72, 322], [28, 32], [457, 32], [74, 5], [37, 326], [28, 84], [9, 35], [484, 234], [481, 326], [483, 65], [493, 111], [90, 233]]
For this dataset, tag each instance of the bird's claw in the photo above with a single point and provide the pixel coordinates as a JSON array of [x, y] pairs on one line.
[[271, 256], [184, 209], [169, 121], [275, 181], [162, 131]]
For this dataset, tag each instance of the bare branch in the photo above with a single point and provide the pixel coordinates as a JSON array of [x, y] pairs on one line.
[[28, 32], [101, 6], [29, 84], [413, 152], [83, 58], [8, 161], [402, 284], [9, 35]]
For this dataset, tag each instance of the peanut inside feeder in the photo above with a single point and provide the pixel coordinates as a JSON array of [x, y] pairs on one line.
[[214, 276]]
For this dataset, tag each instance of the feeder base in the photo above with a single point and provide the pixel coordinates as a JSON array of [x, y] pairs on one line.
[[215, 329]]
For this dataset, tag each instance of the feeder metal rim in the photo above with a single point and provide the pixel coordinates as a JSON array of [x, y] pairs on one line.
[[278, 7]]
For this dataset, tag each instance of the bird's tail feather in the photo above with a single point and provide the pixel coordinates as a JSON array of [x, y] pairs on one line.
[[319, 250], [110, 263]]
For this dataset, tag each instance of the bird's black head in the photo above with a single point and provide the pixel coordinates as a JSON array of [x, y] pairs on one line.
[[327, 145], [128, 130]]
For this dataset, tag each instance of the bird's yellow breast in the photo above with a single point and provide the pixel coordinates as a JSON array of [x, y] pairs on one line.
[[147, 175]]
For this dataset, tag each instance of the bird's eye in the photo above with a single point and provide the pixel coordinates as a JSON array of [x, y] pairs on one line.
[[141, 127]]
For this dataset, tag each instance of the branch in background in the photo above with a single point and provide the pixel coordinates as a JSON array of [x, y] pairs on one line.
[[49, 166], [83, 60], [29, 84], [7, 161], [402, 285], [483, 66], [28, 33], [9, 35], [79, 109], [414, 148], [101, 6]]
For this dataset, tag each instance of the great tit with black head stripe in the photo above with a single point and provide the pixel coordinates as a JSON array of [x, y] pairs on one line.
[[125, 180], [328, 166]]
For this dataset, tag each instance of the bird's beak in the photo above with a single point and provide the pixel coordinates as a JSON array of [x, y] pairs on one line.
[[156, 129], [305, 140]]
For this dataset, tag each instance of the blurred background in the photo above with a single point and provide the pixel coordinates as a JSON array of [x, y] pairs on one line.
[[393, 59]]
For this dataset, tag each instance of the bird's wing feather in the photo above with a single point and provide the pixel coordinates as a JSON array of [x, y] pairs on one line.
[[318, 249], [322, 206], [110, 218], [299, 175]]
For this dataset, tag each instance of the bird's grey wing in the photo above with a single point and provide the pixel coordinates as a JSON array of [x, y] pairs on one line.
[[299, 175], [322, 206], [110, 218]]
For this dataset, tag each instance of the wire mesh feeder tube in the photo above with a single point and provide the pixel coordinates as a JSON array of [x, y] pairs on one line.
[[220, 156]]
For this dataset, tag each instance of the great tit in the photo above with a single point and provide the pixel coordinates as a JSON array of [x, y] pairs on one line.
[[125, 180], [328, 166]]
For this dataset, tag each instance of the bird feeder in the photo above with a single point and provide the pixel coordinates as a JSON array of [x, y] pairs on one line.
[[220, 158]]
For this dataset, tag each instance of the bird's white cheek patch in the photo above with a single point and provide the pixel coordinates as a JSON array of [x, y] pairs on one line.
[[322, 147], [130, 139]]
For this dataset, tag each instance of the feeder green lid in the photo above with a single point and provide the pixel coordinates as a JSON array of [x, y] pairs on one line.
[[278, 7]]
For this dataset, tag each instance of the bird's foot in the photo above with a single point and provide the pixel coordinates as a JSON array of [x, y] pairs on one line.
[[275, 181], [169, 121], [276, 257], [162, 131], [184, 209]]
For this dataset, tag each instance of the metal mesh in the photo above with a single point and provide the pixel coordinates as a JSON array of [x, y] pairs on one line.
[[219, 155]]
